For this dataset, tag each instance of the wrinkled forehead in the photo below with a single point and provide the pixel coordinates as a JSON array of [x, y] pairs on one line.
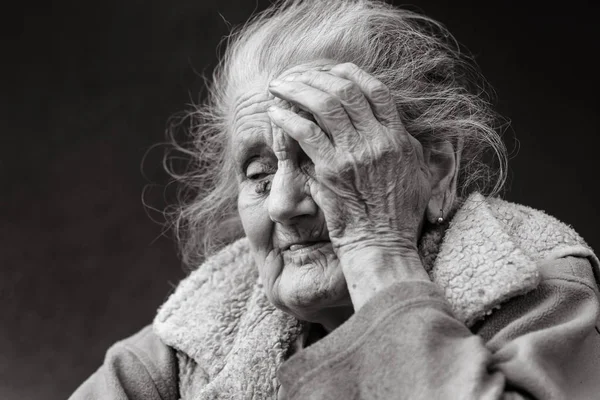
[[249, 122]]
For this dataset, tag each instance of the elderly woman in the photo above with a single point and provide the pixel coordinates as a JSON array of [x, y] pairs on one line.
[[349, 143]]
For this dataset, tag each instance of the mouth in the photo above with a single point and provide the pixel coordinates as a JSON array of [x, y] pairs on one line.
[[305, 247]]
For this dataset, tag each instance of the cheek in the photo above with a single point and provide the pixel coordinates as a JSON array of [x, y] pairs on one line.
[[258, 228], [255, 221]]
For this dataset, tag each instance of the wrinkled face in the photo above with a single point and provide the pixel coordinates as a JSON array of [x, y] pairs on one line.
[[286, 229]]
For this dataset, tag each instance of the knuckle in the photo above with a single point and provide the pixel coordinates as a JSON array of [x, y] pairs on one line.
[[310, 77], [285, 117], [301, 129], [313, 133], [329, 105], [378, 91], [348, 91], [308, 133]]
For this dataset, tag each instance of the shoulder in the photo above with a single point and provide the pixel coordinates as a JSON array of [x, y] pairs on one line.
[[538, 235], [140, 366], [148, 350], [567, 294], [545, 236], [213, 298]]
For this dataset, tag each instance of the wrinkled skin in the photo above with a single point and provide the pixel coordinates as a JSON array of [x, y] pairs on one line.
[[333, 197], [371, 180]]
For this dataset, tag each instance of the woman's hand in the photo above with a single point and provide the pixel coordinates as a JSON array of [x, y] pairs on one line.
[[370, 177]]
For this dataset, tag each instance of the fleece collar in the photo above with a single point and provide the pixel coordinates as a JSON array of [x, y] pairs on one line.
[[490, 254], [220, 317]]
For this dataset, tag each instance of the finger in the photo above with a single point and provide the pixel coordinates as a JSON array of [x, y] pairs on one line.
[[327, 109], [350, 95], [378, 94], [311, 138], [282, 147]]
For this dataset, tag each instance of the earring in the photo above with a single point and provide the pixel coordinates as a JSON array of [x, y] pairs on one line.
[[441, 217]]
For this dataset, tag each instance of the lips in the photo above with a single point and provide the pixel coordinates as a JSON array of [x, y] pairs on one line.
[[300, 239], [306, 246], [299, 246]]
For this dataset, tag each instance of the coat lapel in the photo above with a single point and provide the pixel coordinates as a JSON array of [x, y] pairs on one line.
[[220, 317], [478, 265], [490, 254]]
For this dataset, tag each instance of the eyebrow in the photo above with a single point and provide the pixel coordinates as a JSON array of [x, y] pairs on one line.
[[248, 145]]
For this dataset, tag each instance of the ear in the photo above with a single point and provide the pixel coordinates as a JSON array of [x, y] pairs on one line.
[[443, 161]]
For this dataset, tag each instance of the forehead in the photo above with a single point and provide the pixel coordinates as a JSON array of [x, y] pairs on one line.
[[251, 126], [250, 122]]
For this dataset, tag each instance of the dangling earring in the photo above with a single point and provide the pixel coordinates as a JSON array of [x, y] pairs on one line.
[[440, 219]]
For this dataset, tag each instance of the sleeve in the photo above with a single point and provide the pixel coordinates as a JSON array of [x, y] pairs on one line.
[[406, 344], [139, 367]]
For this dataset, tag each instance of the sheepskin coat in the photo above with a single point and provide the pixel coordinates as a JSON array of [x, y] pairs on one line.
[[226, 341]]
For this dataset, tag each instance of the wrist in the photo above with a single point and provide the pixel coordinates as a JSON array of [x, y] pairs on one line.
[[378, 260], [393, 245], [371, 269]]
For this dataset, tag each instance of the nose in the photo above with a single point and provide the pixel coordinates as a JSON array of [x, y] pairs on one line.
[[289, 199]]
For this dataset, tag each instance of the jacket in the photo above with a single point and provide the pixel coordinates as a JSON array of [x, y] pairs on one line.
[[512, 311]]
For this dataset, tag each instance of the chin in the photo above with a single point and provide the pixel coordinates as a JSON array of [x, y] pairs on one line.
[[308, 290], [307, 283]]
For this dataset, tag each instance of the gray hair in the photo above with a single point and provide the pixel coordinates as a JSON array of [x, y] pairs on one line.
[[439, 93]]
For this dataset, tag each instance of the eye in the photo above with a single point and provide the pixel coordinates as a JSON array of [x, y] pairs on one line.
[[257, 170]]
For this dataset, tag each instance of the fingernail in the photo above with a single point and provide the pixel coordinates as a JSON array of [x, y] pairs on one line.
[[290, 78], [326, 67], [275, 82], [272, 109]]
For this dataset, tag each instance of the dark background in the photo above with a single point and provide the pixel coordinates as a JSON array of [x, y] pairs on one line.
[[88, 88]]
